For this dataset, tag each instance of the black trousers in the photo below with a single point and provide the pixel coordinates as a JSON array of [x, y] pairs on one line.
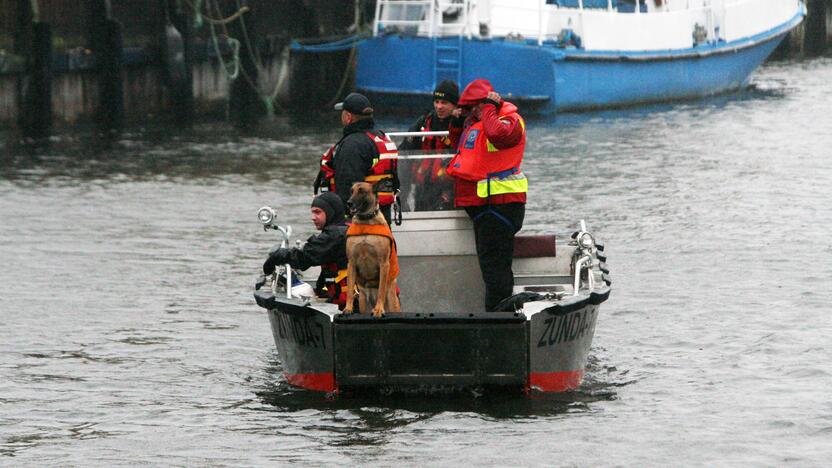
[[494, 230]]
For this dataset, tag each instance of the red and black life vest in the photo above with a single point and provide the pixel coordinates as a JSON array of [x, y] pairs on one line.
[[382, 174], [434, 142], [335, 280], [432, 169]]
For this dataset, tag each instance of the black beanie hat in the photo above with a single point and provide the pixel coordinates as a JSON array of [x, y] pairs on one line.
[[332, 206], [447, 90]]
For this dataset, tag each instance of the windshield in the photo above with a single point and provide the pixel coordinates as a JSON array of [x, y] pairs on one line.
[[424, 185]]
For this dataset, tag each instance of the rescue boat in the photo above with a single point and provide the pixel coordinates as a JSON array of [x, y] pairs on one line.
[[566, 55], [443, 339]]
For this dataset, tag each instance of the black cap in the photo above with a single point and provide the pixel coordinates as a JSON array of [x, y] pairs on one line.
[[355, 103], [447, 90], [332, 206]]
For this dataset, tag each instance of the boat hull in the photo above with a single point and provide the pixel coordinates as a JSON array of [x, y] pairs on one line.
[[546, 79], [324, 351]]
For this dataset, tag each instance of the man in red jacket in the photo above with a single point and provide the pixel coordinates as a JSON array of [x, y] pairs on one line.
[[489, 184]]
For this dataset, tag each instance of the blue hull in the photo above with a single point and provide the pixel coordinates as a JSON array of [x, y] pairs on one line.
[[401, 71]]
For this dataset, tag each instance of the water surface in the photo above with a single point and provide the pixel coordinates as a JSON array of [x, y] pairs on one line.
[[129, 334]]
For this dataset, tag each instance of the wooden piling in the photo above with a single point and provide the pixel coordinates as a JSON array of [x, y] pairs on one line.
[[107, 43], [245, 106], [40, 99], [815, 37], [33, 40], [176, 48], [110, 85]]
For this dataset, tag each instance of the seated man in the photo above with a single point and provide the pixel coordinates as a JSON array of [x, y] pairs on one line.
[[327, 249]]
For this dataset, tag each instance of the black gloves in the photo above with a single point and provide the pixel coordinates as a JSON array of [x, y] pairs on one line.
[[278, 257], [496, 104]]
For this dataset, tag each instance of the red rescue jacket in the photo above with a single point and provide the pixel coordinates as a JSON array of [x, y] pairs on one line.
[[485, 174]]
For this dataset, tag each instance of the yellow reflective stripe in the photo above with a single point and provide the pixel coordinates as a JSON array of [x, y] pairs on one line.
[[377, 177], [515, 183], [340, 276], [492, 149]]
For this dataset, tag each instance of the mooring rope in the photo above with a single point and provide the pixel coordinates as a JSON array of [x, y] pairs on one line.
[[350, 60], [216, 21]]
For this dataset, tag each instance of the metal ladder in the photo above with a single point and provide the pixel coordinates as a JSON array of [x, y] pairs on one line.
[[447, 59]]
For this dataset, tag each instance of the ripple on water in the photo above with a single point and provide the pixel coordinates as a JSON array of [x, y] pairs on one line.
[[128, 331]]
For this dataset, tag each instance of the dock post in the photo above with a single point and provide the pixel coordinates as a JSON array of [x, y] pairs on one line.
[[34, 41], [176, 47], [245, 106], [814, 39], [107, 43], [112, 87]]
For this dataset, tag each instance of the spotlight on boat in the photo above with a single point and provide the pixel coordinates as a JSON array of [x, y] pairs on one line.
[[266, 215], [585, 240]]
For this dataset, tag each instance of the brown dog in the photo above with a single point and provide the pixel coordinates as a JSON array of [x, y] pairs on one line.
[[371, 253]]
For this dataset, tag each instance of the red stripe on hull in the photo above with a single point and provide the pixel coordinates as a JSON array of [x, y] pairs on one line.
[[555, 381], [319, 382]]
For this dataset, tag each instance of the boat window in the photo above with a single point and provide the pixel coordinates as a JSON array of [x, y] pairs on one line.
[[401, 17], [424, 185]]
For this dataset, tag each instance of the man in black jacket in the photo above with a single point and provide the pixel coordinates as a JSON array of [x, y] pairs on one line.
[[443, 116], [327, 249], [356, 155]]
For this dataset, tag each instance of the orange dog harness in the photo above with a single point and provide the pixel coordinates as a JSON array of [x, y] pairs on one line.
[[379, 230]]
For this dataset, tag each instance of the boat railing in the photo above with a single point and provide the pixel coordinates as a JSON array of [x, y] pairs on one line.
[[419, 154], [419, 134]]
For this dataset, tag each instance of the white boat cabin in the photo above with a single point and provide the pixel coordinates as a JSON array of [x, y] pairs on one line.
[[437, 251], [591, 25]]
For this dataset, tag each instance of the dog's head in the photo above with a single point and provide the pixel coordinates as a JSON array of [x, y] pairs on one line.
[[362, 199]]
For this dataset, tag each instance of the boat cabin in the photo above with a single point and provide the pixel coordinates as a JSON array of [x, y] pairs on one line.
[[623, 25]]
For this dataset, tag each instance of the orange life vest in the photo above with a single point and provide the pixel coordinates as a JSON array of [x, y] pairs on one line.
[[494, 171]]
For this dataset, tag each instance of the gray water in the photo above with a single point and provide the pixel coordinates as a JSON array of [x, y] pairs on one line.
[[129, 335]]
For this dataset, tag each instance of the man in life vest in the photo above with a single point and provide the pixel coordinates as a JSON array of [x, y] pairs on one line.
[[326, 248], [432, 188], [363, 154], [488, 183]]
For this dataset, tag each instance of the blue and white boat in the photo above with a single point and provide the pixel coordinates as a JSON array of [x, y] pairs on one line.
[[567, 55]]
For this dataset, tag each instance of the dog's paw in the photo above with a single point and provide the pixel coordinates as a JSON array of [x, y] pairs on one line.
[[346, 311], [378, 312]]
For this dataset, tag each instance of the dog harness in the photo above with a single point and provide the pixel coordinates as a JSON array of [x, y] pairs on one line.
[[379, 230]]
